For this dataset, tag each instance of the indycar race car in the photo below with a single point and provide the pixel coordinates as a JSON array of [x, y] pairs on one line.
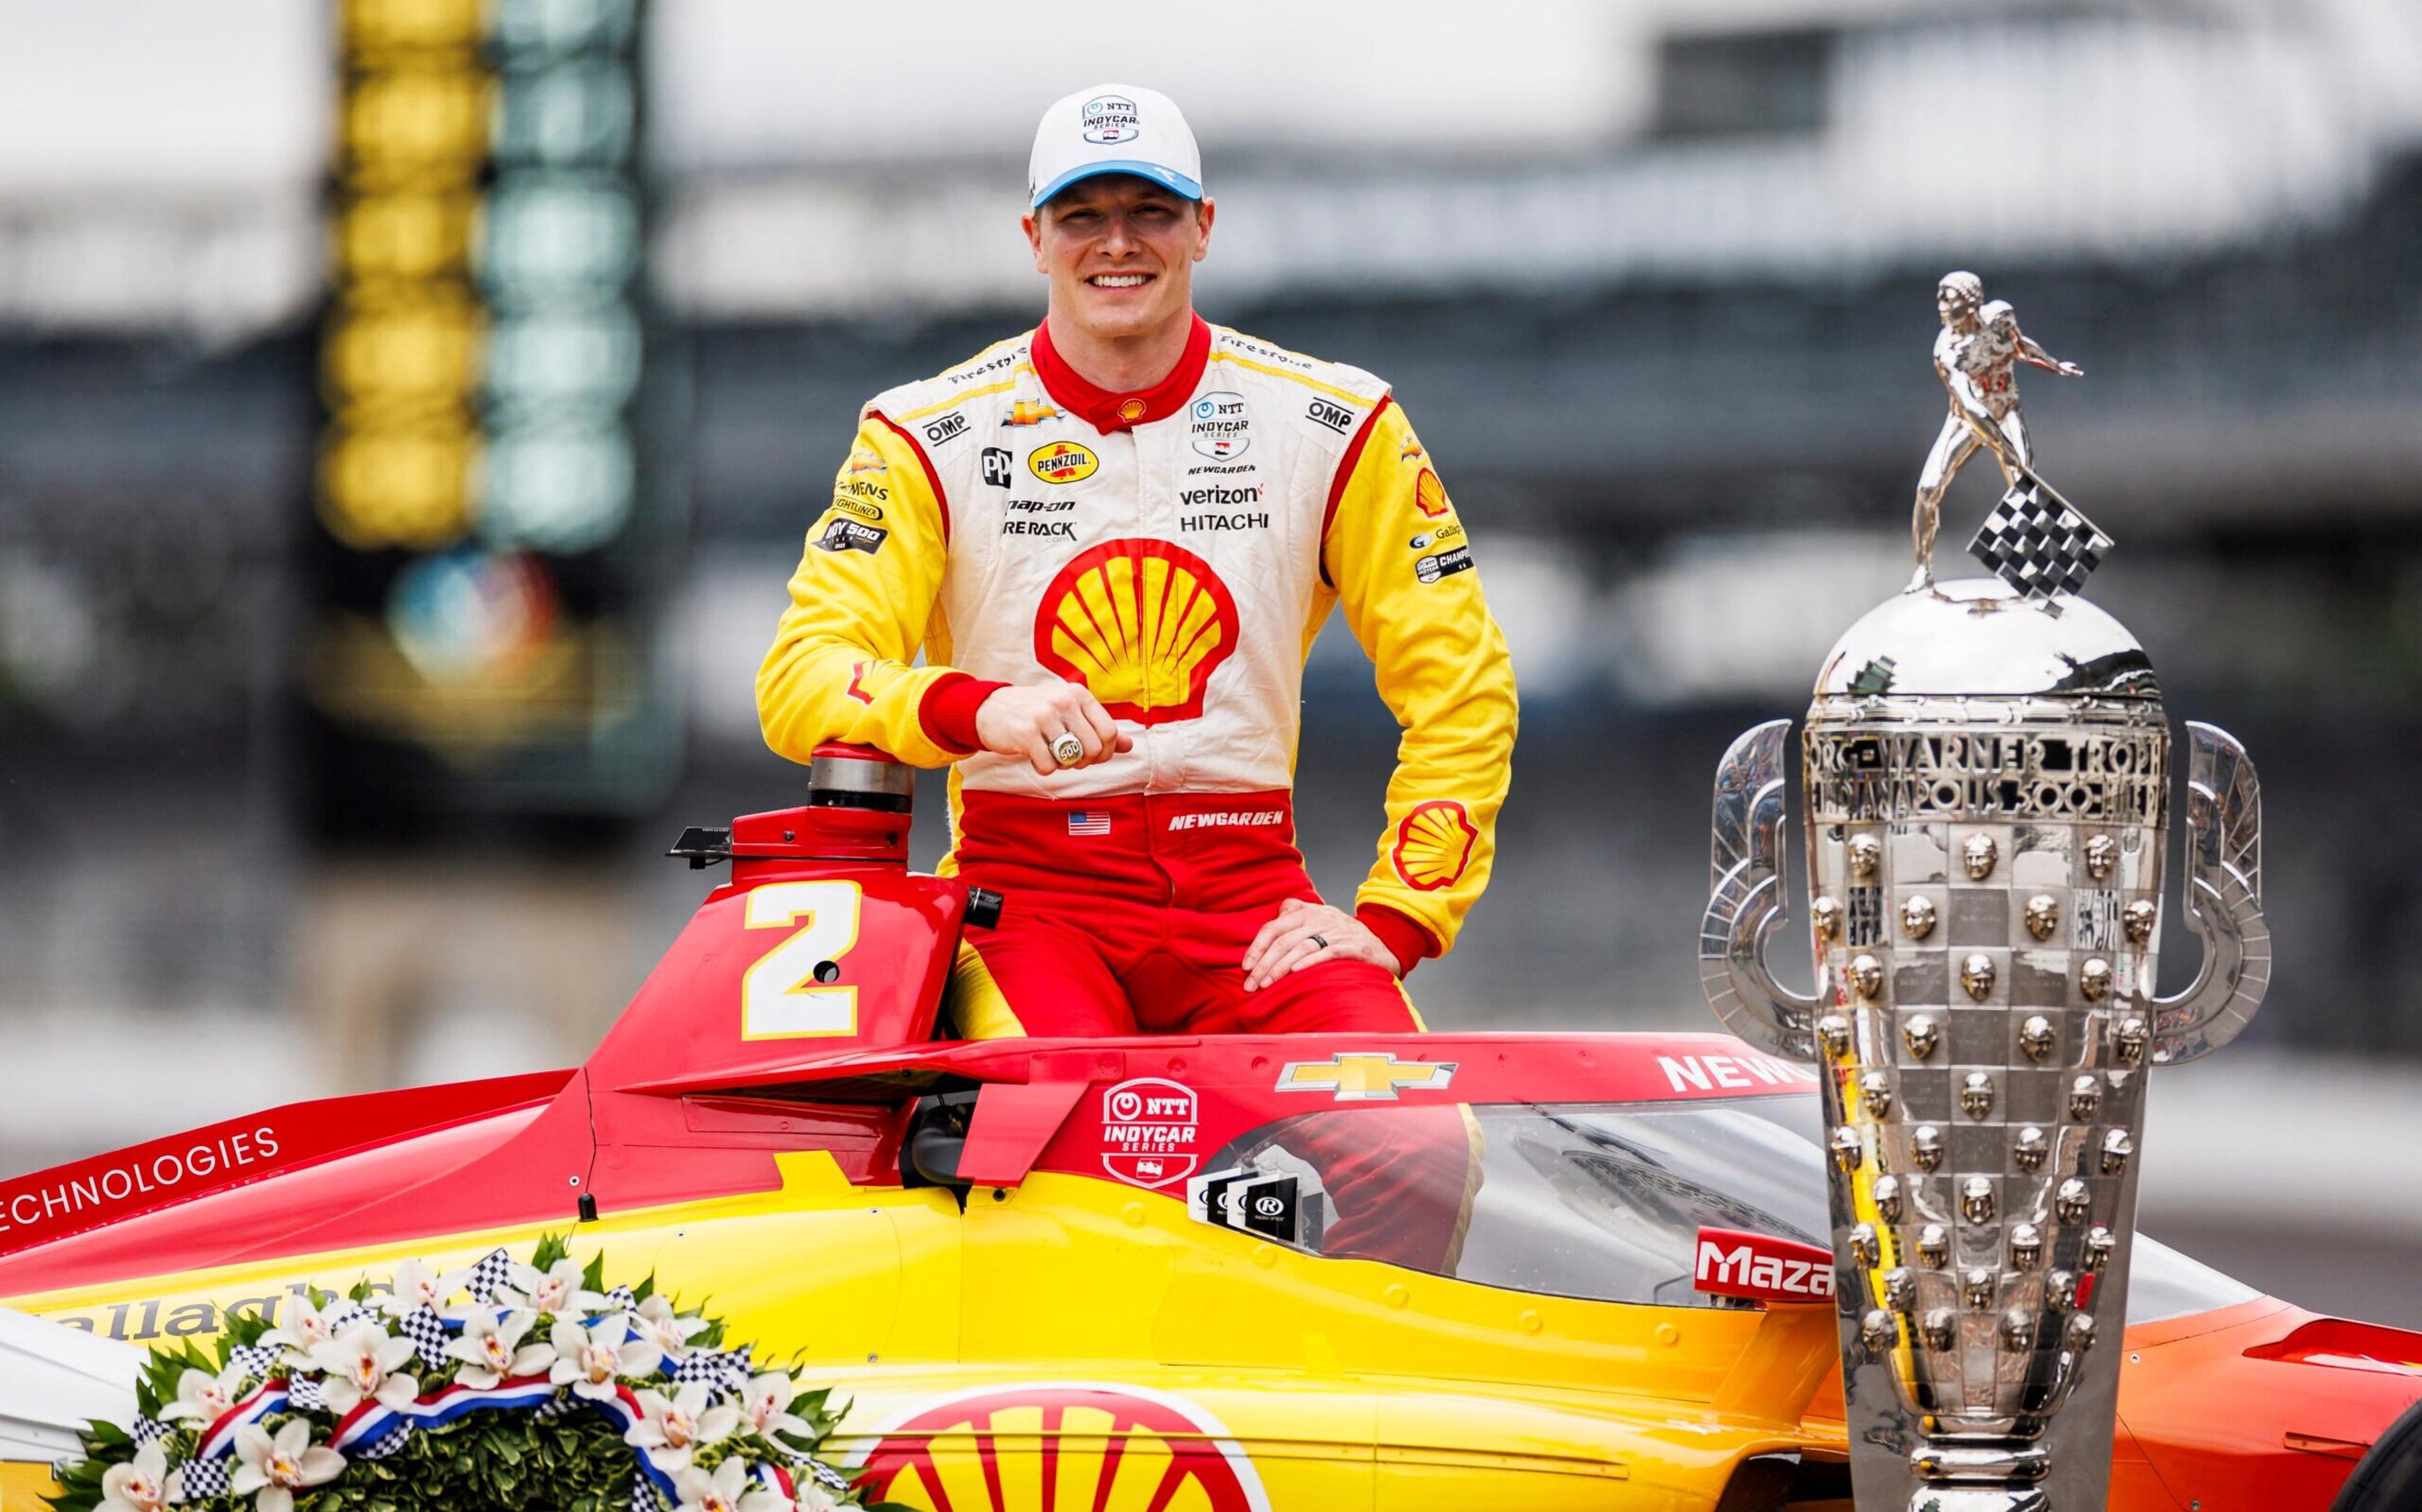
[[1168, 1274]]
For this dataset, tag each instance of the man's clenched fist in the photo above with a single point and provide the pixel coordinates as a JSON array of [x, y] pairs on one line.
[[1023, 721]]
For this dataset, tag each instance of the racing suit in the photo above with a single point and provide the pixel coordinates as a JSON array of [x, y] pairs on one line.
[[1175, 551]]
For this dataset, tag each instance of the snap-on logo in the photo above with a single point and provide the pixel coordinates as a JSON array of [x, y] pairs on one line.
[[1148, 1129]]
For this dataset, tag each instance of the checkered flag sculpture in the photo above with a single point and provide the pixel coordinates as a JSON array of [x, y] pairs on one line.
[[2039, 543]]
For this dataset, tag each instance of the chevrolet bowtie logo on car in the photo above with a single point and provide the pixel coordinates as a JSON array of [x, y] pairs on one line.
[[1365, 1077]]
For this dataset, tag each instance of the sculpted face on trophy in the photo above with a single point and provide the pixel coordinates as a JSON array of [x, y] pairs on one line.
[[1985, 769]]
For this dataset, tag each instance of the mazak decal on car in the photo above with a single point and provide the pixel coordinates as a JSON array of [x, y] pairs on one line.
[[1149, 1127], [1081, 1443], [1731, 1263]]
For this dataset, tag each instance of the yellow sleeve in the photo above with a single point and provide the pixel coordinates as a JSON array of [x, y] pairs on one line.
[[861, 605], [1403, 570]]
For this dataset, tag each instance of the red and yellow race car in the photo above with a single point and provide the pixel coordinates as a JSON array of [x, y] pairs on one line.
[[1174, 1274]]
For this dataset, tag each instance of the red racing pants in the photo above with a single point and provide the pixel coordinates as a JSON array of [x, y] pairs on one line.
[[1132, 914]]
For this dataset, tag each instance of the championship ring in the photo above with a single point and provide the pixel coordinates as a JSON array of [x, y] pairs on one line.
[[1986, 775], [1066, 749]]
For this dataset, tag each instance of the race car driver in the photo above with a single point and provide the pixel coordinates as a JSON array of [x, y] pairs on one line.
[[1115, 538]]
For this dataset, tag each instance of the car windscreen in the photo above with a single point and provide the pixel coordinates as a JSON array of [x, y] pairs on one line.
[[1603, 1201]]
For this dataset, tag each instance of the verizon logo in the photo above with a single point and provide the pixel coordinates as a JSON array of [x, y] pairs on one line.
[[1735, 1264]]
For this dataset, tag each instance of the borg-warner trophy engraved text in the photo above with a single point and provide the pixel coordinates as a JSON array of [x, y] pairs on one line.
[[1985, 773]]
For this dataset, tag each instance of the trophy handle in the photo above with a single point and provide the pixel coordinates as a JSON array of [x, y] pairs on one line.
[[2223, 899], [1746, 899]]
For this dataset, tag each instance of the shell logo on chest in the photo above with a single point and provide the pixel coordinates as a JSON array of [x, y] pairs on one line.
[[1142, 624]]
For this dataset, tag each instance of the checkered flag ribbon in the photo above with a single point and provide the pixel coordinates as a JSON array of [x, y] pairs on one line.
[[427, 1331], [308, 1393], [643, 1493], [384, 1444], [254, 1360], [2038, 545], [826, 1476], [198, 1480], [147, 1431], [494, 1269], [726, 1369], [618, 1298], [344, 1310]]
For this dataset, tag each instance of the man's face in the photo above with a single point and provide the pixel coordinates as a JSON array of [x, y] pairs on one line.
[[1120, 252], [1955, 305]]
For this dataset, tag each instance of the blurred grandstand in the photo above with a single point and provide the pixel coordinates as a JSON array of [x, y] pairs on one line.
[[1654, 279]]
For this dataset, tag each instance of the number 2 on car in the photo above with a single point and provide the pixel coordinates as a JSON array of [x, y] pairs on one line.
[[780, 997]]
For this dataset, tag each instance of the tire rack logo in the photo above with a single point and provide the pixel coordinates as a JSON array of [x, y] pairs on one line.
[[1148, 1128], [1063, 461], [1111, 119], [1217, 426], [1434, 845], [1081, 1444], [1139, 624], [1732, 1263]]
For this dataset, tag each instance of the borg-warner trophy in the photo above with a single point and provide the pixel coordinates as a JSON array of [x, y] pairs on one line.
[[1986, 775]]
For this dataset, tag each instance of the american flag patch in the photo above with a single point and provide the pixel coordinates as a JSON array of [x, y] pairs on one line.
[[1088, 822]]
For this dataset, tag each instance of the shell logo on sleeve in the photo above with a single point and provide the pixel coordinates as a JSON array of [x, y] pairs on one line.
[[1429, 494], [1061, 1447], [1063, 461], [1141, 625], [1434, 845]]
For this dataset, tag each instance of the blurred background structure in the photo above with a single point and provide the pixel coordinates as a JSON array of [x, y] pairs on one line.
[[410, 412]]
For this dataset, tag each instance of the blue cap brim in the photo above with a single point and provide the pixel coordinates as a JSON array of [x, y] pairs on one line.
[[1167, 177]]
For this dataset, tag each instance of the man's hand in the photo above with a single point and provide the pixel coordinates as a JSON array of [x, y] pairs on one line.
[[1023, 722], [1306, 934]]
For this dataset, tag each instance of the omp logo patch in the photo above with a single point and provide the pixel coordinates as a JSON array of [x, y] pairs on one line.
[[945, 427], [1060, 1446], [1141, 625], [1328, 413], [1063, 461], [1731, 1263]]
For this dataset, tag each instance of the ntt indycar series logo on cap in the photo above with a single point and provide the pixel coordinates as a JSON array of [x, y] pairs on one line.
[[1111, 119]]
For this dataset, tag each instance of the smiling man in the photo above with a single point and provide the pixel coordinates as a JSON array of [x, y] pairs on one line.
[[1115, 538]]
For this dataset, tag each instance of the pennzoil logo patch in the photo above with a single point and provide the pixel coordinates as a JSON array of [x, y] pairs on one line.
[[1063, 461], [851, 535]]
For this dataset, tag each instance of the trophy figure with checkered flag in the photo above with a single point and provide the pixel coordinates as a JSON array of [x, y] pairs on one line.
[[2036, 540], [1985, 777]]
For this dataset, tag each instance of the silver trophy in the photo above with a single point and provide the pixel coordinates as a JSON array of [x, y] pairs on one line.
[[1986, 773]]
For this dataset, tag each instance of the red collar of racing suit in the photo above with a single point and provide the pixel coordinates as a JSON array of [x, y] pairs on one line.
[[1107, 411]]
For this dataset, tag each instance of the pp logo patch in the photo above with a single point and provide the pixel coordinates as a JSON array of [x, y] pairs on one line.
[[996, 467], [1148, 1129], [851, 535], [1217, 427], [1063, 461], [1111, 119]]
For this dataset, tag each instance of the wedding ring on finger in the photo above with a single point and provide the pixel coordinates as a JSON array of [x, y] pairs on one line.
[[1066, 749], [1319, 943]]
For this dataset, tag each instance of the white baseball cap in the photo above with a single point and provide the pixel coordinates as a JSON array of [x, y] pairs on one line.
[[1114, 128]]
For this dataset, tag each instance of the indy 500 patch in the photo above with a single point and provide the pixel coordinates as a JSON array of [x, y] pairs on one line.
[[851, 535]]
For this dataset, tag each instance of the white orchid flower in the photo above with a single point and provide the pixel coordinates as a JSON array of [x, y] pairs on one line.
[[204, 1398], [554, 1291], [765, 1406], [728, 1490], [279, 1467], [417, 1286], [361, 1363], [591, 1358], [814, 1498], [657, 1323], [490, 1350], [305, 1328], [670, 1429], [141, 1487]]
